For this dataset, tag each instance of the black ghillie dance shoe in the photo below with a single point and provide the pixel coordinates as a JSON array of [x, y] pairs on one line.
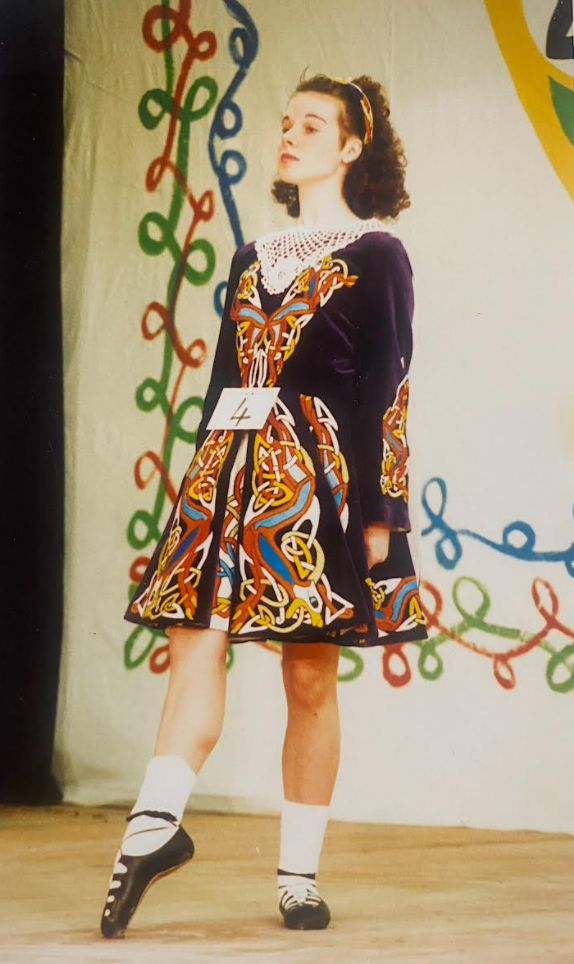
[[302, 907], [132, 876]]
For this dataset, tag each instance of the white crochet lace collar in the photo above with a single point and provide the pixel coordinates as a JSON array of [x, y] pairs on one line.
[[284, 254]]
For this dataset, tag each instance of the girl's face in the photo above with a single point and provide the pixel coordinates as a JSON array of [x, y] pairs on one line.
[[309, 147]]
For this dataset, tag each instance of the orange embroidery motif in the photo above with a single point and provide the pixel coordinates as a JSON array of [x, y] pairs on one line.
[[394, 474]]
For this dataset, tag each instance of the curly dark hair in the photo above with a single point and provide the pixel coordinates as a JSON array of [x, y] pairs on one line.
[[374, 185]]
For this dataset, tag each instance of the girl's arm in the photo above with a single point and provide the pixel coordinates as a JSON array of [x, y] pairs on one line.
[[225, 369], [381, 397]]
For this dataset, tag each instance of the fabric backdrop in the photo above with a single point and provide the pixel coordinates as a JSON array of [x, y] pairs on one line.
[[172, 116]]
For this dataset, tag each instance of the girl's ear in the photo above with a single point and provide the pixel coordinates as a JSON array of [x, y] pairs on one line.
[[352, 150]]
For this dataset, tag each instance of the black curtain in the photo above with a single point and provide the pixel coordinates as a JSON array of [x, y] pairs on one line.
[[32, 497]]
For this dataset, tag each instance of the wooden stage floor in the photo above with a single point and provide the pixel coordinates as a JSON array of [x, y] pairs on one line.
[[398, 894]]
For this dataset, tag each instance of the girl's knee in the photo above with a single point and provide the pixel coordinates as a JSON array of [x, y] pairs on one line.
[[310, 682], [190, 639]]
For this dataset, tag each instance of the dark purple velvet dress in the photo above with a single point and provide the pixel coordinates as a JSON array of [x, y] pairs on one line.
[[265, 539]]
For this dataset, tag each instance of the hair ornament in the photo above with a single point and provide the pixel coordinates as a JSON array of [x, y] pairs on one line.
[[365, 105]]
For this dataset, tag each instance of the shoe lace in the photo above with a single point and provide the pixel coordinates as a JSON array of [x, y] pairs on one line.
[[303, 892]]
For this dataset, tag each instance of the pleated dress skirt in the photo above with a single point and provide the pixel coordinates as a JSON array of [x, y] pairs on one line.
[[265, 541]]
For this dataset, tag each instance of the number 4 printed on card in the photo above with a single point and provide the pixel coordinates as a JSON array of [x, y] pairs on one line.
[[243, 408]]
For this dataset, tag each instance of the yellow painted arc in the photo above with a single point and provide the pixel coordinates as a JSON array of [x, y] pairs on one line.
[[530, 70]]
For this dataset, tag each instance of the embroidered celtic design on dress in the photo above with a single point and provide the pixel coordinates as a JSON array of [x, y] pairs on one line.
[[397, 604], [172, 590], [324, 424], [394, 464], [280, 558], [264, 343], [282, 564], [227, 559]]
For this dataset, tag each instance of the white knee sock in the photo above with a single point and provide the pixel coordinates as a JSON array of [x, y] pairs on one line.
[[167, 784], [303, 828]]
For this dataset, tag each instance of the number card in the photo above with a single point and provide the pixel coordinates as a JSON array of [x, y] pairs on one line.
[[243, 408]]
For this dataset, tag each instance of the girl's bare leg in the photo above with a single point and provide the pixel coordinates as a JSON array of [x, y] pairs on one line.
[[310, 763], [194, 706], [311, 749], [190, 724]]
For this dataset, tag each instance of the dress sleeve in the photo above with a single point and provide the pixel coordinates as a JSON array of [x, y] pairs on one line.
[[382, 384], [225, 369]]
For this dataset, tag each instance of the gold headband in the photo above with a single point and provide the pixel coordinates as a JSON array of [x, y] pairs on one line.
[[365, 104]]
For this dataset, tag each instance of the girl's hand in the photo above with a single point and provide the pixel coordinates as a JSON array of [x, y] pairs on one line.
[[377, 536]]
